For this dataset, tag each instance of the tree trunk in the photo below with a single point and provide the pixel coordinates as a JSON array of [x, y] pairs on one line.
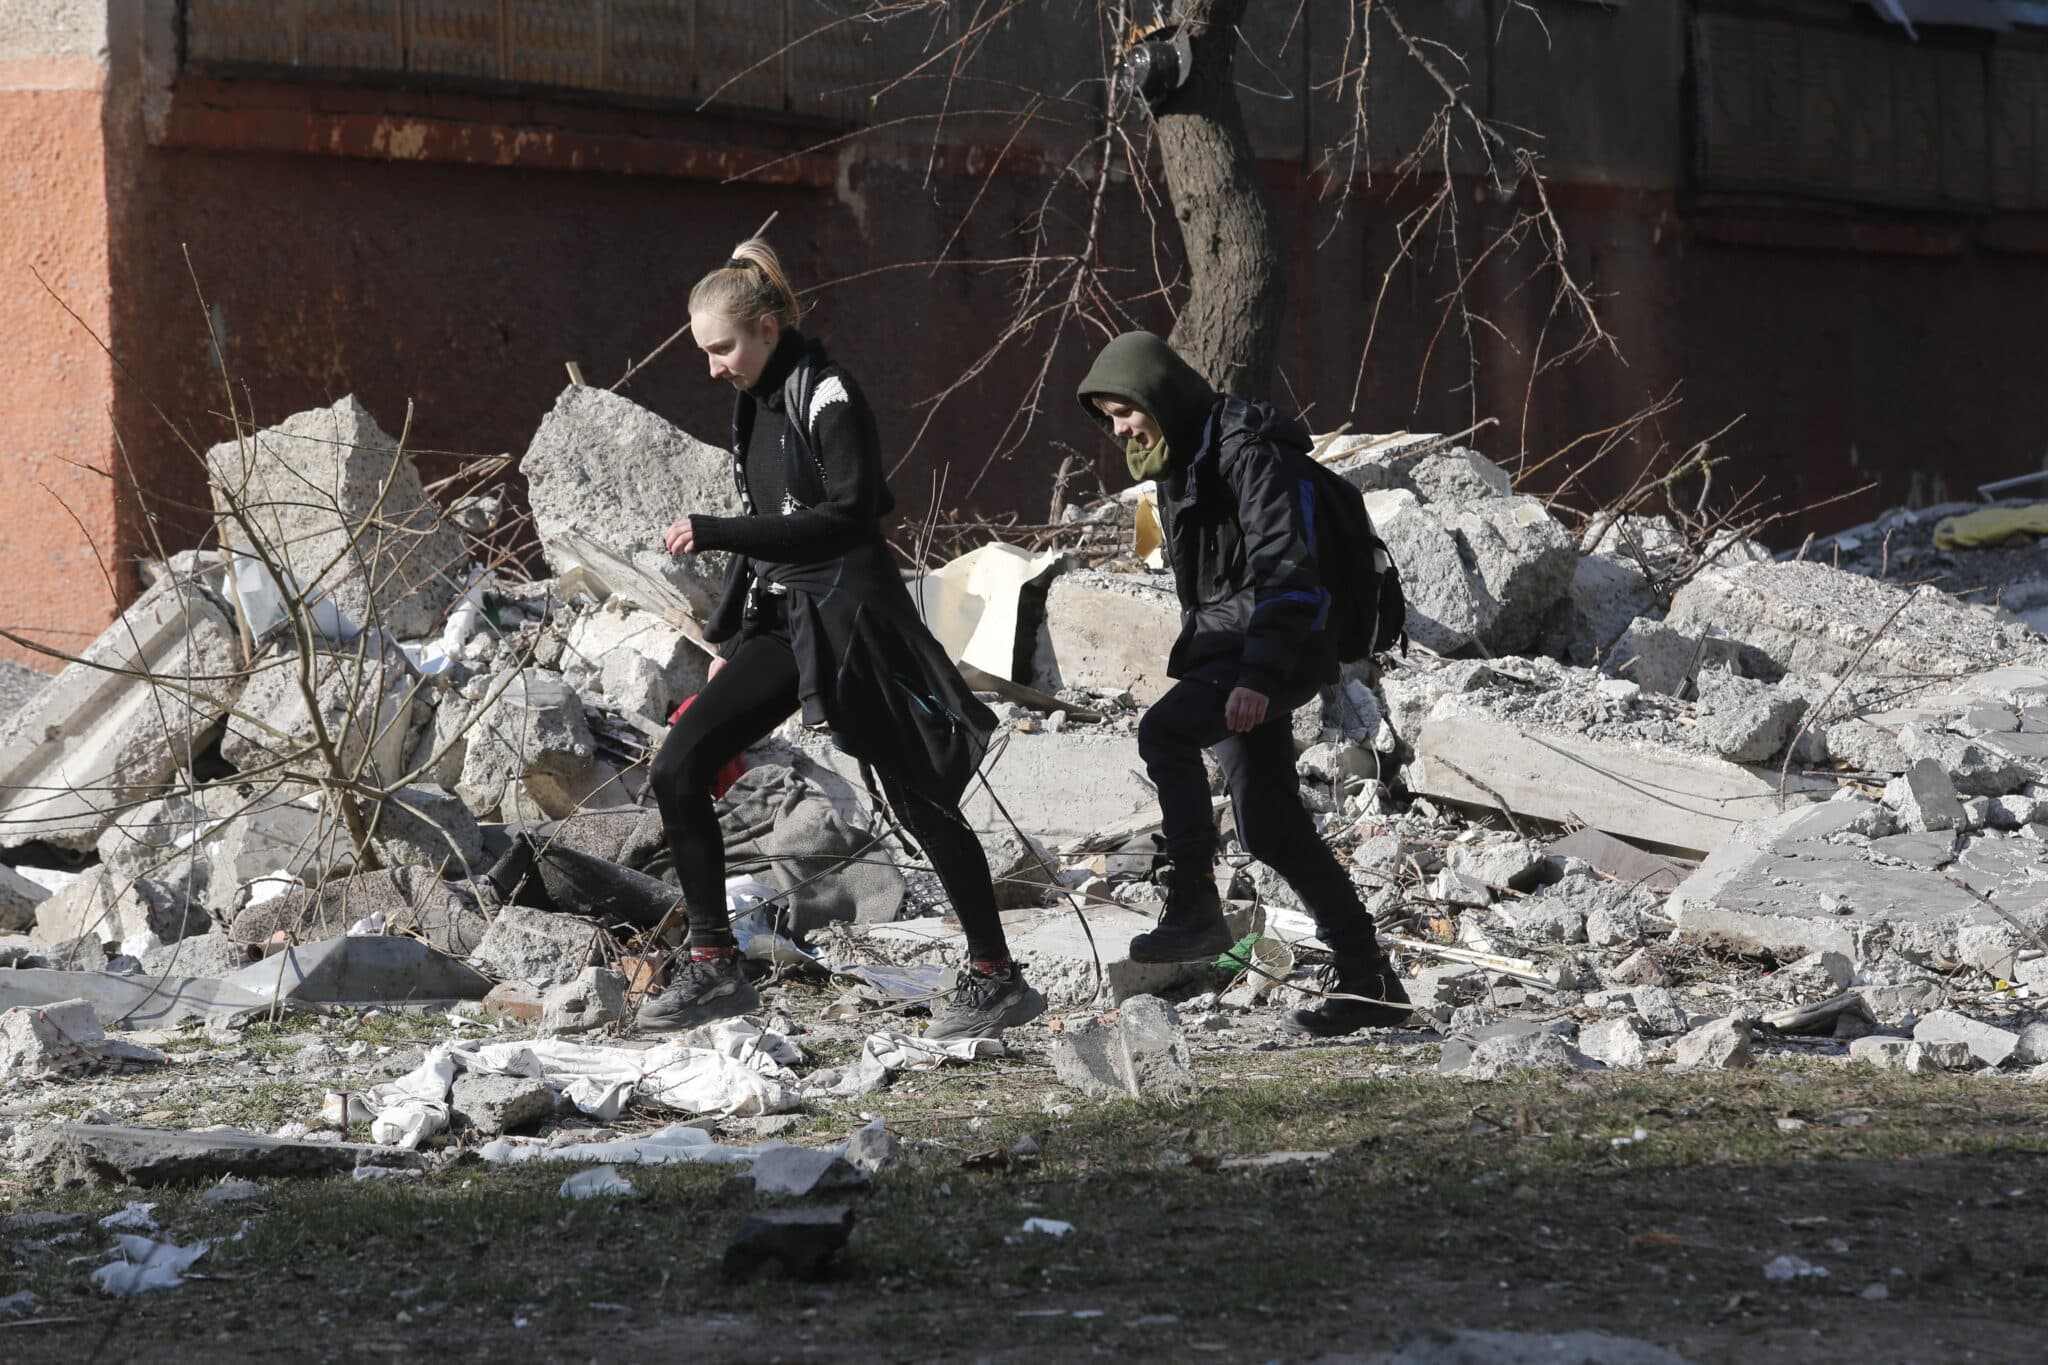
[[1229, 328]]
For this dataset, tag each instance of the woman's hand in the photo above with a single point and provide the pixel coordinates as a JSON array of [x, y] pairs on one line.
[[718, 663], [681, 538]]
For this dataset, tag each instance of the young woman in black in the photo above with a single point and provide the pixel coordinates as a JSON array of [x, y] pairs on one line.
[[815, 616]]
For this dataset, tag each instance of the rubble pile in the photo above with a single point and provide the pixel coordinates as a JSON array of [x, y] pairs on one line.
[[1630, 802]]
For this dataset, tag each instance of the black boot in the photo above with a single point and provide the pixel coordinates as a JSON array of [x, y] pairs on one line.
[[1371, 977], [1191, 927]]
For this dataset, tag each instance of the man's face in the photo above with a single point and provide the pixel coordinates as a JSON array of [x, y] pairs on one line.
[[1130, 423]]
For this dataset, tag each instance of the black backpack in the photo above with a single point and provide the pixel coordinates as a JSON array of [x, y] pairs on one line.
[[1368, 610]]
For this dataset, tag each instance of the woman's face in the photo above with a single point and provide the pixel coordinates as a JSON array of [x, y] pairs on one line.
[[1129, 422], [737, 351]]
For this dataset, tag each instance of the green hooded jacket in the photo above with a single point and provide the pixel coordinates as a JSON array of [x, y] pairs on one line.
[[1140, 369], [1237, 504]]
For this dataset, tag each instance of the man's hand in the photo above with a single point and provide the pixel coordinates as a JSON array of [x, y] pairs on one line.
[[681, 538], [1244, 709], [718, 663]]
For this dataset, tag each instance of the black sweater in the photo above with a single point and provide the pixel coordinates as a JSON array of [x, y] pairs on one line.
[[779, 529]]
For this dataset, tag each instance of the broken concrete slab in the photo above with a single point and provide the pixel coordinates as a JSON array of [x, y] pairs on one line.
[[369, 705], [540, 946], [360, 970], [282, 832], [1107, 632], [72, 1154], [1063, 960], [594, 468], [1800, 617], [1141, 1054], [1784, 885], [489, 1104], [531, 753], [800, 1242], [1988, 1043], [103, 737], [595, 998], [1669, 797], [336, 503]]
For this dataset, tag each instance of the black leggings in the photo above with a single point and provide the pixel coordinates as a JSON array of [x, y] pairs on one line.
[[1265, 793], [751, 695]]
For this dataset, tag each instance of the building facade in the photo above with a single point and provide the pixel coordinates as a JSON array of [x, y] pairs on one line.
[[1828, 219]]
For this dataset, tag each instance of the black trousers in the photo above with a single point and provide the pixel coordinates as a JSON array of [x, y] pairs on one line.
[[751, 695], [1272, 824]]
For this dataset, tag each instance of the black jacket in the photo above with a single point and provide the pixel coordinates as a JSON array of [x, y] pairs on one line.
[[1241, 534], [869, 668]]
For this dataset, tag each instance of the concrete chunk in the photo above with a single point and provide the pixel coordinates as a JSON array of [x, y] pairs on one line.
[[332, 497], [489, 1105], [1613, 1042], [540, 946], [1141, 1055], [50, 1040], [1926, 797], [533, 745], [595, 998], [1722, 1045], [595, 468], [1988, 1043], [645, 665], [1107, 632], [19, 898], [1523, 561], [95, 742], [1505, 1054]]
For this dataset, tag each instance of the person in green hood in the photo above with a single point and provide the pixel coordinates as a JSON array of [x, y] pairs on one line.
[[1238, 508]]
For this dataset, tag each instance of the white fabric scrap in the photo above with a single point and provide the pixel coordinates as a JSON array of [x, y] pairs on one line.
[[599, 1182], [146, 1264], [675, 1143], [884, 1054]]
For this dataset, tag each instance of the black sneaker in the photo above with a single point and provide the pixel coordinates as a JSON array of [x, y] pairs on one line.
[[986, 1003], [1385, 1006], [1191, 928], [699, 993]]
